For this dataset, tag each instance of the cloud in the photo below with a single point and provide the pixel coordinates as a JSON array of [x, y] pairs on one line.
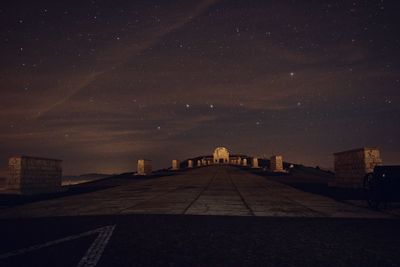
[[117, 57]]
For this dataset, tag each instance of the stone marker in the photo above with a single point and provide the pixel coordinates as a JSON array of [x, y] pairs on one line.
[[190, 163], [351, 166], [276, 163], [254, 164], [244, 162], [32, 175], [144, 167], [175, 164]]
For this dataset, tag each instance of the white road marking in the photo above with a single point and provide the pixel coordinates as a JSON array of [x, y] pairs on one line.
[[93, 254]]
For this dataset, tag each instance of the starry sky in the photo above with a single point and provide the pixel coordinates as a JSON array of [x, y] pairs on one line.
[[101, 84]]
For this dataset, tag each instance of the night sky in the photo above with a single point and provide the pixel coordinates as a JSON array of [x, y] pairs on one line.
[[100, 84]]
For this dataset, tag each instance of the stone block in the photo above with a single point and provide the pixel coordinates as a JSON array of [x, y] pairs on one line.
[[351, 166], [175, 164], [33, 175], [276, 163], [144, 167], [190, 163], [255, 163]]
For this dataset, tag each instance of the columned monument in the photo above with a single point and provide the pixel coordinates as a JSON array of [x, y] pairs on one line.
[[221, 155]]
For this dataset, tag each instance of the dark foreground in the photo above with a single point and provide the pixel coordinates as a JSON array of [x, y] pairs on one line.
[[185, 240]]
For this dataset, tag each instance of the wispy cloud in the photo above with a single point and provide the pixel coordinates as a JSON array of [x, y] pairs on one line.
[[117, 57]]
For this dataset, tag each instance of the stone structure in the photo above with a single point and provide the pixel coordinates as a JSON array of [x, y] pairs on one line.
[[198, 163], [351, 166], [221, 155], [244, 162], [276, 163], [175, 164], [190, 163], [144, 167], [254, 164], [32, 175]]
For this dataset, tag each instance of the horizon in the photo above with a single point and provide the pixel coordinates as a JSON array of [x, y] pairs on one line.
[[3, 173]]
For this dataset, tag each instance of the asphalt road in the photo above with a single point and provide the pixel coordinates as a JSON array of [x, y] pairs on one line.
[[185, 240]]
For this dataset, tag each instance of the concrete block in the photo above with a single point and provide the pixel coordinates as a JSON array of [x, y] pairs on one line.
[[254, 164], [144, 167], [33, 175], [190, 163], [276, 163], [175, 164], [351, 166]]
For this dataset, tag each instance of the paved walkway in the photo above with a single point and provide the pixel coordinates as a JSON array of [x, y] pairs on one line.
[[213, 190]]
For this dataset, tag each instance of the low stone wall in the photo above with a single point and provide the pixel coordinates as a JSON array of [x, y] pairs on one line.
[[32, 175], [351, 166]]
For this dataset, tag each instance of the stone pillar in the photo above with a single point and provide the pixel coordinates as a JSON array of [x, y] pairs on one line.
[[144, 167], [32, 175], [276, 163], [255, 163], [239, 161], [203, 162], [175, 164], [244, 162], [190, 163]]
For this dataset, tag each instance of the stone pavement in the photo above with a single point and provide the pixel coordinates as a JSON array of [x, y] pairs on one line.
[[213, 190]]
